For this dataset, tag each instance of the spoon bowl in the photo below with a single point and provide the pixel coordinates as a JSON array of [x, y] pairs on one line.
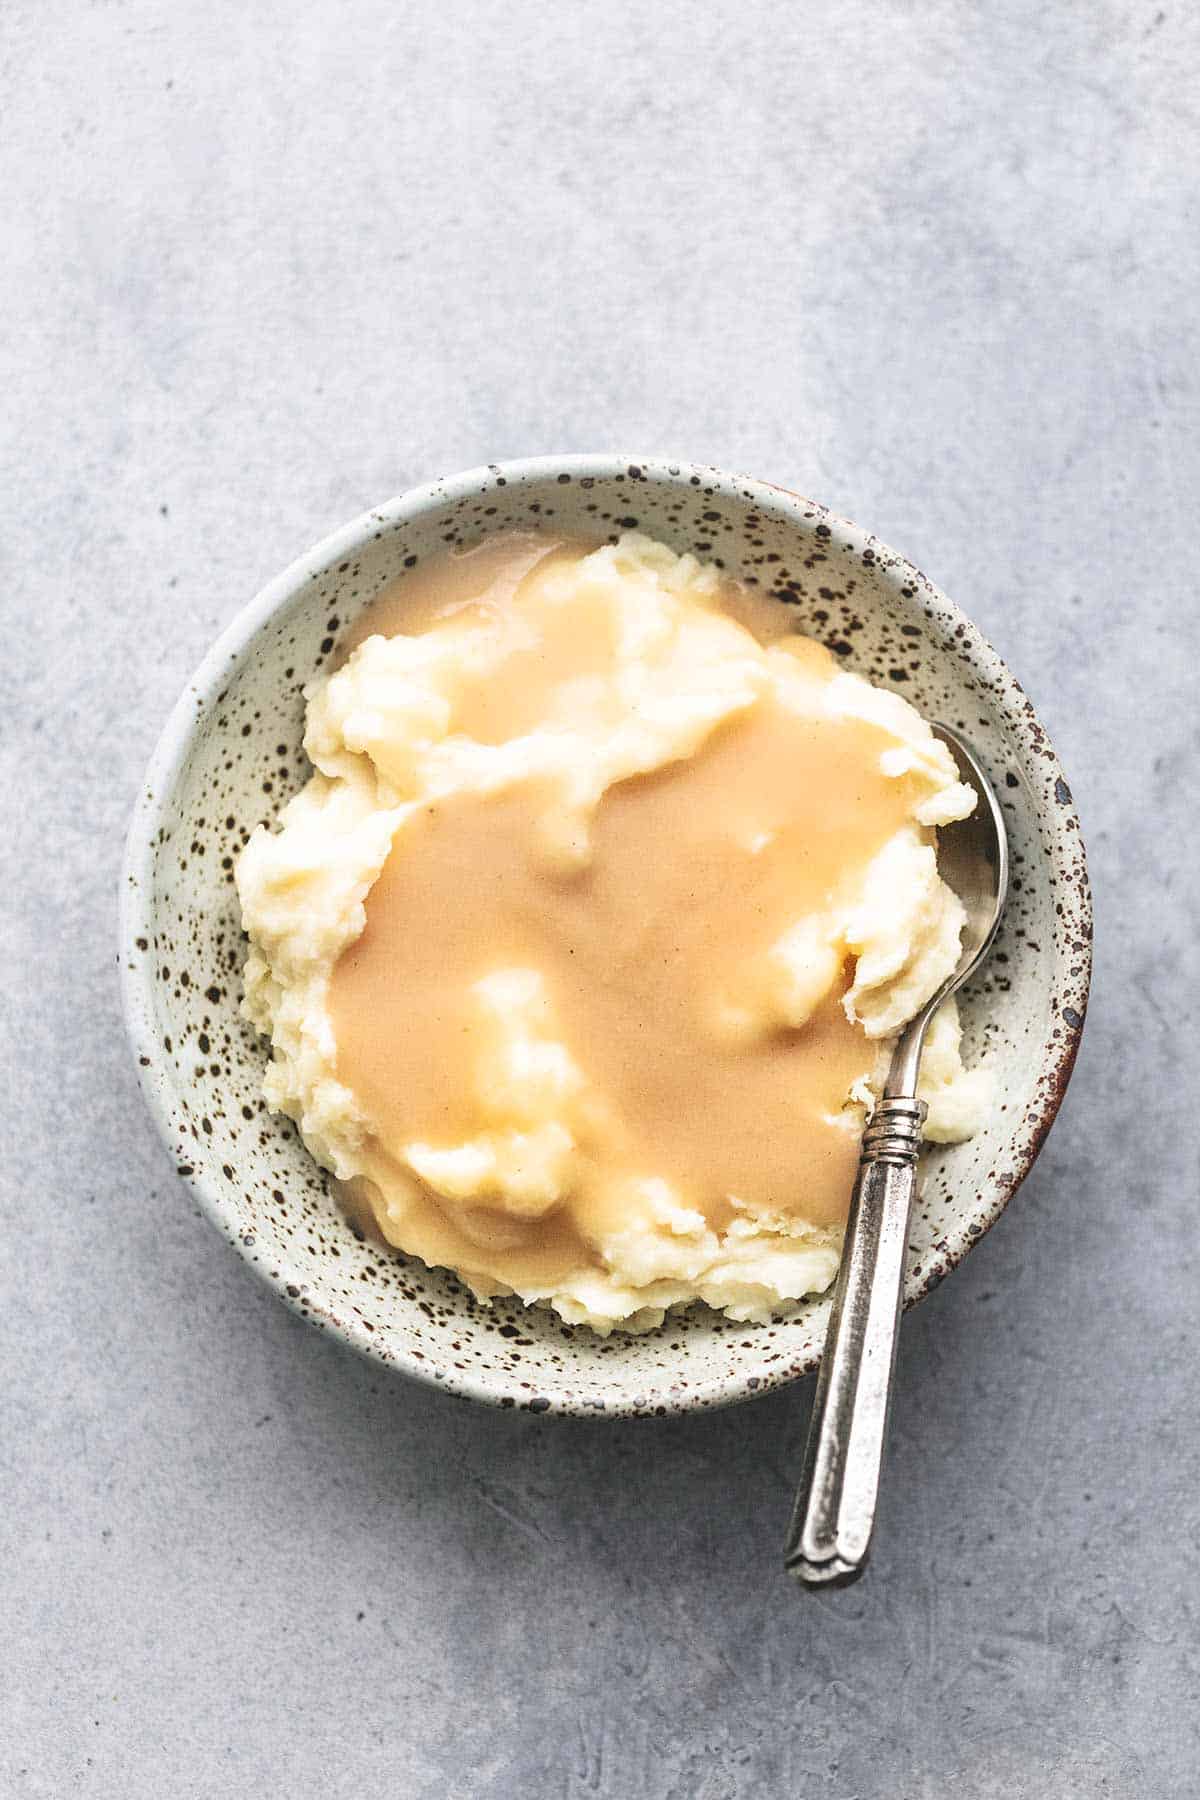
[[973, 862], [973, 859]]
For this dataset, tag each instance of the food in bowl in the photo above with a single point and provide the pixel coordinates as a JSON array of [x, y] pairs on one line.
[[584, 948]]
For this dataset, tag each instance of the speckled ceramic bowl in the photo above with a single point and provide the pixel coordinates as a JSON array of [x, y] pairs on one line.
[[231, 754]]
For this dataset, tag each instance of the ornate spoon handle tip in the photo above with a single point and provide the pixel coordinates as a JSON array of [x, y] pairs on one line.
[[830, 1535]]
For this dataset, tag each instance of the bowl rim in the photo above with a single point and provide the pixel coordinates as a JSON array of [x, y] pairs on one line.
[[173, 747]]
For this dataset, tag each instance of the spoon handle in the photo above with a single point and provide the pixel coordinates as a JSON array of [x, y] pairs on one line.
[[830, 1534]]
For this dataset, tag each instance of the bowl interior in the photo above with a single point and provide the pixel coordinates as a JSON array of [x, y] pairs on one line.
[[231, 755]]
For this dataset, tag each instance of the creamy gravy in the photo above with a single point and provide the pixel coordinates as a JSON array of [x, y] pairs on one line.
[[695, 872]]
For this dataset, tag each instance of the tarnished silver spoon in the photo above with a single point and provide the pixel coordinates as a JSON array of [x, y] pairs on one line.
[[829, 1539]]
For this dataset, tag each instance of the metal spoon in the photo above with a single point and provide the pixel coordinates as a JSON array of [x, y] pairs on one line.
[[829, 1539]]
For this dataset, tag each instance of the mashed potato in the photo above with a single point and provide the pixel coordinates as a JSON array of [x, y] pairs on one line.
[[582, 949]]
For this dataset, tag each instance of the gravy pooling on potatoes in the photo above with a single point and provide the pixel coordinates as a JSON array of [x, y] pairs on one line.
[[695, 872]]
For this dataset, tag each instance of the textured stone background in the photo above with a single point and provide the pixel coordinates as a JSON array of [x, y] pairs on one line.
[[266, 264]]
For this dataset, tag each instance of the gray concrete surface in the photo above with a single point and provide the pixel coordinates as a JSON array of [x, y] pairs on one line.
[[266, 264]]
